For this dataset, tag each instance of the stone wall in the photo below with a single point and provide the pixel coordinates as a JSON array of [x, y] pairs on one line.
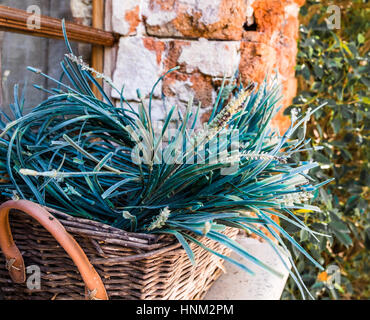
[[207, 39]]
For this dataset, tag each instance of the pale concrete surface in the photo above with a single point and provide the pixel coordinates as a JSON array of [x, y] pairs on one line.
[[236, 284]]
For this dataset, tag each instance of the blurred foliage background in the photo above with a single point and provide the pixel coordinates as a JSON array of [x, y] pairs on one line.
[[333, 67]]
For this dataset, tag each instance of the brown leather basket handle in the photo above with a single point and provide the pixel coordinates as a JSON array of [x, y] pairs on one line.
[[14, 260]]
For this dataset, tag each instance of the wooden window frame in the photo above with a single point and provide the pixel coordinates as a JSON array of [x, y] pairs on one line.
[[15, 20]]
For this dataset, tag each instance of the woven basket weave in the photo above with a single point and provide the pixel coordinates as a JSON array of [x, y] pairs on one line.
[[130, 265]]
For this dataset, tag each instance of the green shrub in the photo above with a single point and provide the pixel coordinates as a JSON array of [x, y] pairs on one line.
[[333, 67]]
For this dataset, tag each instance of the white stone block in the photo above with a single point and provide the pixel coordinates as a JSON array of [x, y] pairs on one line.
[[136, 68], [182, 90], [209, 9], [120, 9], [214, 58], [155, 15], [236, 284]]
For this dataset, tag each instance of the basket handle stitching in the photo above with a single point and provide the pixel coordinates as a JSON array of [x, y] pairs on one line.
[[91, 294], [10, 264]]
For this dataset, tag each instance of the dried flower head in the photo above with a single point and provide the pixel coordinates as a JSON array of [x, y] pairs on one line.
[[84, 66], [230, 110], [160, 220]]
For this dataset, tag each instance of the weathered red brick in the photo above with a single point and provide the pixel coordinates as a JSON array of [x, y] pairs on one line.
[[155, 45], [212, 19], [256, 59], [268, 15], [174, 49], [133, 19], [196, 85]]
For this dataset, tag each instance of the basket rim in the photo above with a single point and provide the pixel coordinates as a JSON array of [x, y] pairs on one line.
[[145, 244], [106, 227], [87, 227]]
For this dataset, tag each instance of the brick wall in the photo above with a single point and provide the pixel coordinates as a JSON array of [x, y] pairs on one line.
[[207, 39]]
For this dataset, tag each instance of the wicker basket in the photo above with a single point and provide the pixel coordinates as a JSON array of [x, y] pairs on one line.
[[102, 262]]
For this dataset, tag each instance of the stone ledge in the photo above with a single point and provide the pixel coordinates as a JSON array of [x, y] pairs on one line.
[[236, 284]]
